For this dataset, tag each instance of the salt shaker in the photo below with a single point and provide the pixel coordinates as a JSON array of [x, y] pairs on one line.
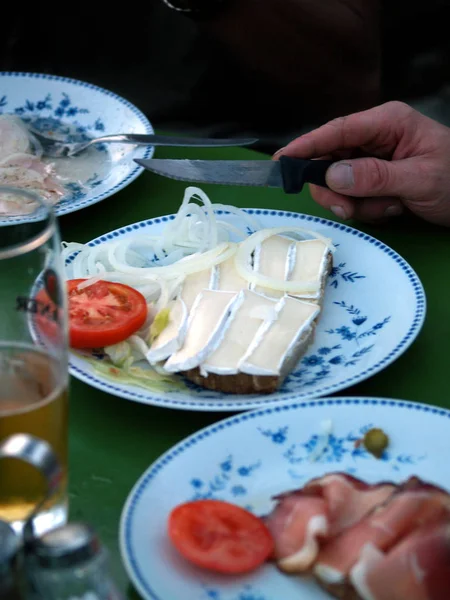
[[70, 563], [9, 546]]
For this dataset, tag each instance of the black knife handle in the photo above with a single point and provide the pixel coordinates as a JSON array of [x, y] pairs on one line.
[[295, 172]]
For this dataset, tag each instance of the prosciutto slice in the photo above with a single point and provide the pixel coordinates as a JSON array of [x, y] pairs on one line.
[[303, 520], [297, 524], [418, 568], [348, 499], [413, 505]]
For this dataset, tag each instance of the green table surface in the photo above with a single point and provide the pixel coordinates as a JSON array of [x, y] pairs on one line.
[[112, 441]]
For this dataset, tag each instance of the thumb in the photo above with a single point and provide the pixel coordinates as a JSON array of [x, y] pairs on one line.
[[375, 177]]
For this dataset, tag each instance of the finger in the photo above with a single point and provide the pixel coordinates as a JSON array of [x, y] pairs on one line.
[[341, 206], [366, 177], [377, 209], [376, 130], [362, 209], [338, 155]]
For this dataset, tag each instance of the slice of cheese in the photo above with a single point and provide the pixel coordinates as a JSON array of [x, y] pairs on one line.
[[205, 329], [272, 259], [249, 312], [308, 263], [227, 278], [172, 336], [194, 284], [274, 342]]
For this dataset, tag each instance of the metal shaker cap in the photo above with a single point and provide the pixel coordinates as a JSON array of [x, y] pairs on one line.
[[9, 546], [67, 546]]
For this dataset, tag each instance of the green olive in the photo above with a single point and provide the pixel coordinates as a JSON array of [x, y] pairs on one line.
[[376, 441]]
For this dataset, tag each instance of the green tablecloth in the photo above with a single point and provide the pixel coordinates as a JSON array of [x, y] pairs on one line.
[[112, 441]]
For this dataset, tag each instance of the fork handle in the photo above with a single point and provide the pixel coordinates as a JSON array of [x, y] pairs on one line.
[[164, 140]]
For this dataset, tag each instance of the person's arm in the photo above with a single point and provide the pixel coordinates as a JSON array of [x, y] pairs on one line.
[[389, 159]]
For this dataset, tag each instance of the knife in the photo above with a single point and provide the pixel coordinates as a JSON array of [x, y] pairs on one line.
[[287, 173]]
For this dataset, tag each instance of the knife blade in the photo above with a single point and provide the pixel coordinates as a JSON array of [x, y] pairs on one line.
[[166, 140], [287, 173]]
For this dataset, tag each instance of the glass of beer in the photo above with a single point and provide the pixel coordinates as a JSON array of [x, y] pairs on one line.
[[33, 354]]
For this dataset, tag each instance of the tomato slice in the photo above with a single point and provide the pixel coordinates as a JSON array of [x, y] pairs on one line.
[[104, 313], [220, 536], [46, 316]]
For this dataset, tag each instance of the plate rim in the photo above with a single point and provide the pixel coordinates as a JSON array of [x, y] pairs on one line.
[[137, 169], [186, 443], [153, 399]]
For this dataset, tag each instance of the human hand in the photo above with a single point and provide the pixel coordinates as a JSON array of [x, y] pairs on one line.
[[408, 164]]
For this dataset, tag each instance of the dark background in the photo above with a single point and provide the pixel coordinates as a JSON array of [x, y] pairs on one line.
[[183, 75]]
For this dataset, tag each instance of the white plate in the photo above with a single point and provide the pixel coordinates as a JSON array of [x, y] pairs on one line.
[[374, 308], [65, 105], [249, 458]]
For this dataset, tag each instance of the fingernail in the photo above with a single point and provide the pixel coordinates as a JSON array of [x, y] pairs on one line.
[[339, 211], [279, 151], [340, 176], [394, 210]]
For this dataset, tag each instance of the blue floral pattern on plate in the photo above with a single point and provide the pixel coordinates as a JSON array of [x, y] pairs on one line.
[[76, 111], [345, 450], [247, 593], [360, 331], [269, 451], [228, 477]]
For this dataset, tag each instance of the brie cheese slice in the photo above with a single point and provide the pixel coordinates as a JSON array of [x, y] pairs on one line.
[[227, 278], [247, 315], [308, 263], [272, 259], [172, 336], [275, 341], [194, 284], [205, 328]]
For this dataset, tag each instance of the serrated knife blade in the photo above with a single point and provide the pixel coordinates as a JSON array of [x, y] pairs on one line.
[[288, 173]]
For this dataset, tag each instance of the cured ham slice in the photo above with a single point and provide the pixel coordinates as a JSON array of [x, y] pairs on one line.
[[418, 568], [413, 505], [348, 499], [296, 524], [305, 518]]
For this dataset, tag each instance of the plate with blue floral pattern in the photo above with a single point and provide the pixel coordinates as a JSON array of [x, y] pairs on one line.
[[249, 458], [75, 111], [373, 310]]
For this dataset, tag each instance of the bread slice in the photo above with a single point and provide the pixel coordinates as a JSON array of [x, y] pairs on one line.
[[342, 591]]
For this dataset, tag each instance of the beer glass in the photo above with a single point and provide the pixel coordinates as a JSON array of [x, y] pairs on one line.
[[33, 356]]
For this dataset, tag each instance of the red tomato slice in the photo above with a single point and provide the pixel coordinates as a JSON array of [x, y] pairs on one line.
[[45, 317], [104, 313], [220, 536]]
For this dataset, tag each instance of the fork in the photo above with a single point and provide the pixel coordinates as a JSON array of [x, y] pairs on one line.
[[58, 149]]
